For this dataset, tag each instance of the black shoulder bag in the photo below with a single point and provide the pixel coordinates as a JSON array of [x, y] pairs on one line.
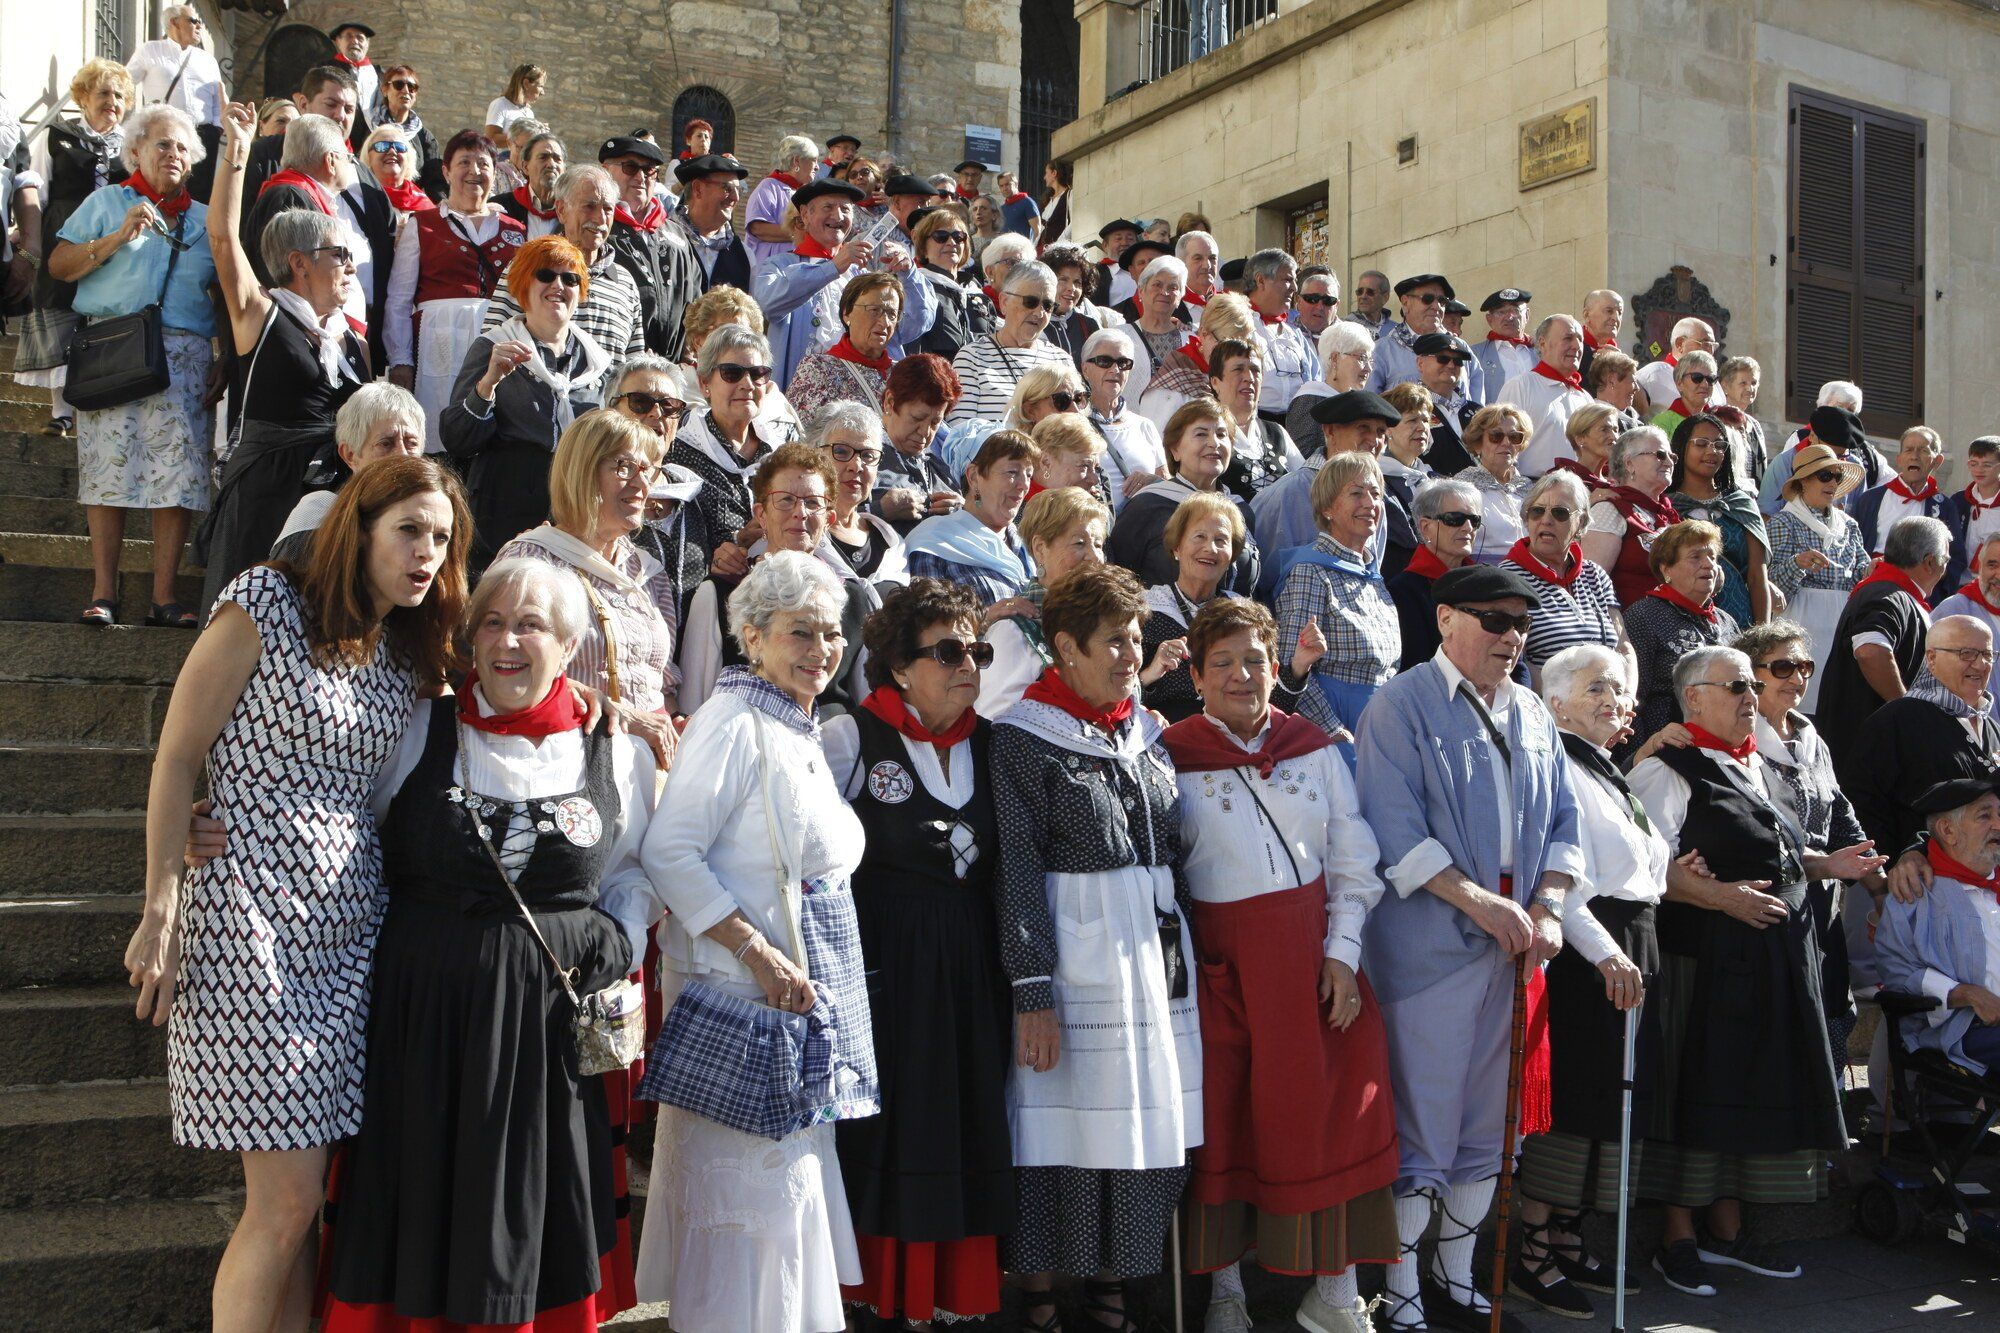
[[122, 359]]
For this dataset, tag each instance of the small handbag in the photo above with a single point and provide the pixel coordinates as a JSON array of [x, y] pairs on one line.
[[122, 359], [609, 1025]]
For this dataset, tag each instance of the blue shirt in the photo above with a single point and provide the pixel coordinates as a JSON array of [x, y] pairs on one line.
[[129, 279], [1017, 214]]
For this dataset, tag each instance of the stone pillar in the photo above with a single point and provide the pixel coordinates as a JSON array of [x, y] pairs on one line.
[[1107, 50]]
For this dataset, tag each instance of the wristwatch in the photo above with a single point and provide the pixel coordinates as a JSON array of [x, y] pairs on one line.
[[1551, 902]]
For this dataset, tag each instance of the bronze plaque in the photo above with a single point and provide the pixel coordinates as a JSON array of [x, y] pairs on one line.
[[1562, 143]]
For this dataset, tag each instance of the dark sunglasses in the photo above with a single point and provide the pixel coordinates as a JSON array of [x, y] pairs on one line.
[[1497, 623], [1111, 362], [847, 453], [1031, 302], [341, 254], [1696, 377], [1510, 436], [1829, 475], [1371, 291], [1560, 513], [1431, 298], [1067, 402], [733, 374], [948, 237], [1455, 519], [631, 168], [389, 146], [567, 277], [1738, 687], [1316, 298], [1784, 668], [951, 653], [404, 85], [645, 404]]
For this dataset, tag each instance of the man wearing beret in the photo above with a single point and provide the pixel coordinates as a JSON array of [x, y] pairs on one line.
[[1116, 236], [710, 186], [1507, 350], [1946, 944], [1839, 429], [657, 254], [1441, 362], [840, 150], [800, 291], [1453, 319], [1281, 514], [970, 176], [350, 50], [1464, 783], [1423, 297]]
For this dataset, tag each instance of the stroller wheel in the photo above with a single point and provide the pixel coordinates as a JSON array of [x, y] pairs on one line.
[[1885, 1214]]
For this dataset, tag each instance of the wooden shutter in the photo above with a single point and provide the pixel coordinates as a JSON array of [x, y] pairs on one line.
[[1855, 263]]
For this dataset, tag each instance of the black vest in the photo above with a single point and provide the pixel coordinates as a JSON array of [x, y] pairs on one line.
[[1738, 835], [909, 830]]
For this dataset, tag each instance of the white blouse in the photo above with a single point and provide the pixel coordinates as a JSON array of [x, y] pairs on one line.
[[1232, 852], [1665, 794], [1620, 860]]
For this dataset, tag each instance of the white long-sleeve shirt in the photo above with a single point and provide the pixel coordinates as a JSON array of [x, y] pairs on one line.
[[154, 65], [1549, 404], [1620, 860]]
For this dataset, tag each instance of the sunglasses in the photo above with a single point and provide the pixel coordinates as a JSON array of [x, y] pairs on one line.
[[645, 404], [1560, 513], [341, 254], [1065, 401], [1455, 519], [733, 373], [1827, 476], [1784, 668], [847, 453], [951, 653], [1111, 362], [948, 238], [1738, 687], [637, 168], [1031, 302], [390, 147], [1316, 298], [1371, 291], [1510, 436], [1696, 377], [567, 277], [1497, 623], [1431, 298], [404, 85]]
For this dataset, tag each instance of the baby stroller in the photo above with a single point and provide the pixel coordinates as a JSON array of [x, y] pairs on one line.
[[1904, 1193]]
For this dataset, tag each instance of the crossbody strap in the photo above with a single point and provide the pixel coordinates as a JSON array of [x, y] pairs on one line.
[[173, 258], [1250, 785], [610, 639], [788, 880], [179, 74]]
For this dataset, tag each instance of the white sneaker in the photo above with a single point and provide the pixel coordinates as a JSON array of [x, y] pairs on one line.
[[1320, 1317], [1227, 1314]]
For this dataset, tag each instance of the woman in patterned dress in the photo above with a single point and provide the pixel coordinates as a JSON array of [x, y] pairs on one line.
[[856, 368], [1579, 603], [1817, 555], [294, 697]]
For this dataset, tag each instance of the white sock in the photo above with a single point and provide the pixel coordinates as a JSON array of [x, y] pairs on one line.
[[1464, 1209], [1338, 1290], [1228, 1282], [59, 405], [1413, 1218]]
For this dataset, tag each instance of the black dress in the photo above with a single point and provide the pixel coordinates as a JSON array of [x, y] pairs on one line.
[[938, 1163], [480, 1188]]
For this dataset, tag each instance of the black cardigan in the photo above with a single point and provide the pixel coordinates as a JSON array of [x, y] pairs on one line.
[[1900, 750]]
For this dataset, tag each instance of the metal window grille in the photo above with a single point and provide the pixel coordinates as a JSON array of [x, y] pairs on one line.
[[110, 22], [1046, 106], [1173, 33]]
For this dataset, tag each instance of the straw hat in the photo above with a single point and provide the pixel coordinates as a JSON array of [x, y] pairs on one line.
[[1816, 458]]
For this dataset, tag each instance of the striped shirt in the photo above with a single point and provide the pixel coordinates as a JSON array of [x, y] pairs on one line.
[[610, 314], [988, 373], [1584, 612]]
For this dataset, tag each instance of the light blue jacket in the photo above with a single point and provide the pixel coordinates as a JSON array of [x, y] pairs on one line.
[[129, 279], [1940, 931], [785, 287]]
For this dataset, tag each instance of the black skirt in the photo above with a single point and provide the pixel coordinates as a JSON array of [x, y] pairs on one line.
[[1587, 1033]]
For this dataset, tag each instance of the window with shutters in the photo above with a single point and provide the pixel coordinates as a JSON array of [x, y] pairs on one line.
[[1854, 282]]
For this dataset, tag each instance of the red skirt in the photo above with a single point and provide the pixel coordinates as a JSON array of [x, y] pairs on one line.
[[925, 1280], [1297, 1115]]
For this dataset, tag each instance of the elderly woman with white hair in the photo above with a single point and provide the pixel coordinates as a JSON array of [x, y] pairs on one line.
[[509, 832], [1625, 524], [1162, 288], [1578, 604], [749, 863], [1331, 586], [1000, 255], [129, 247], [392, 161], [990, 367], [1346, 355], [1167, 385], [726, 438], [1446, 513], [1134, 456], [379, 421], [1610, 958], [851, 437], [793, 163]]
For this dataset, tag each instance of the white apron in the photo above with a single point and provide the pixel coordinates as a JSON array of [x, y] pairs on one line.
[[1818, 609], [445, 332]]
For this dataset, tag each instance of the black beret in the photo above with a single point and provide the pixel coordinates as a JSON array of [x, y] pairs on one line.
[[1440, 343], [824, 186], [843, 138], [968, 165], [1454, 306], [624, 145], [1150, 248], [1408, 285], [1354, 405], [345, 24], [1838, 427], [904, 183], [1941, 797], [1231, 270], [1506, 296], [1117, 224], [1482, 583], [709, 164]]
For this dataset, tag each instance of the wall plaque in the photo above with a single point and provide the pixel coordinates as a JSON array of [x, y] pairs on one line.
[[1562, 143]]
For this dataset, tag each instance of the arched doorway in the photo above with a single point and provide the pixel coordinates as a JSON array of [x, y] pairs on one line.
[[702, 102], [294, 49]]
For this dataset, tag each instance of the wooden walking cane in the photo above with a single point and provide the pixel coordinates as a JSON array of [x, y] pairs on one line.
[[1520, 1031]]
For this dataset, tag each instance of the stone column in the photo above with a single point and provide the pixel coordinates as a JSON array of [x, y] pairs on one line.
[[1107, 53]]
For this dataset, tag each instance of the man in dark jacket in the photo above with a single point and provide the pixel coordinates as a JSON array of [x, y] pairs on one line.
[[711, 187], [654, 251], [1879, 646]]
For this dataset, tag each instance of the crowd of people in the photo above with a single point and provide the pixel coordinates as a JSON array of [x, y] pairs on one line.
[[1066, 733]]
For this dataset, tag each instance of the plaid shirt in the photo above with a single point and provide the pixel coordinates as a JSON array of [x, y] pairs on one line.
[[1789, 537], [1364, 638]]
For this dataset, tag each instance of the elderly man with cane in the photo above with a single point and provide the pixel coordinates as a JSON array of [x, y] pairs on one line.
[[1463, 781]]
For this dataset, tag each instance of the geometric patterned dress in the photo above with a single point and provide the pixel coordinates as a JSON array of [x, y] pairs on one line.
[[265, 1045]]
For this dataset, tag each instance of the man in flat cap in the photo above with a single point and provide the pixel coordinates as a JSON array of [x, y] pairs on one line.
[[1507, 350], [840, 150], [1453, 319], [710, 187], [656, 253], [1837, 425], [1115, 237], [1423, 296], [351, 41], [1282, 514], [1946, 944], [969, 176], [1464, 783], [800, 291]]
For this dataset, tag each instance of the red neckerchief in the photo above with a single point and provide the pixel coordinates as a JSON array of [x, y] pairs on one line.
[[785, 178], [1884, 572], [1503, 338], [170, 208], [409, 197], [1051, 688], [1199, 301], [1708, 740], [986, 290], [1017, 196], [1662, 510], [1522, 556], [1681, 409], [558, 711], [526, 199], [362, 63], [1671, 360], [1592, 480], [1897, 486], [1946, 868], [651, 222], [1271, 319], [1685, 603], [1972, 593], [1192, 349], [1549, 372], [1425, 564], [299, 180], [965, 194], [1979, 506], [1590, 342], [685, 155], [1196, 746], [1801, 440], [809, 248], [888, 703], [845, 350]]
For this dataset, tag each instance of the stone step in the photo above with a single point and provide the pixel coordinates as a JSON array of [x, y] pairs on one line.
[[22, 446], [73, 855], [63, 551], [24, 416], [65, 941], [76, 1034], [65, 780], [19, 478], [100, 1141], [113, 1267], [37, 713], [92, 654], [31, 592], [61, 514]]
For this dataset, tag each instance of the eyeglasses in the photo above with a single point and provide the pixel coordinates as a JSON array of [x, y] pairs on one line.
[[1316, 298], [1510, 436], [847, 453], [1970, 656], [645, 404], [1371, 291], [404, 85], [874, 308], [1827, 476], [569, 278], [951, 653], [1784, 668], [1031, 302], [1453, 518], [1123, 363], [1660, 454], [1497, 623], [1738, 687], [733, 373], [389, 146], [628, 469], [1065, 401], [786, 502], [1560, 513], [948, 238], [631, 168], [341, 254], [1697, 377], [1430, 298]]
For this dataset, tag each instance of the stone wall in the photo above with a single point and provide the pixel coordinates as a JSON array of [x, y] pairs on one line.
[[816, 67]]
